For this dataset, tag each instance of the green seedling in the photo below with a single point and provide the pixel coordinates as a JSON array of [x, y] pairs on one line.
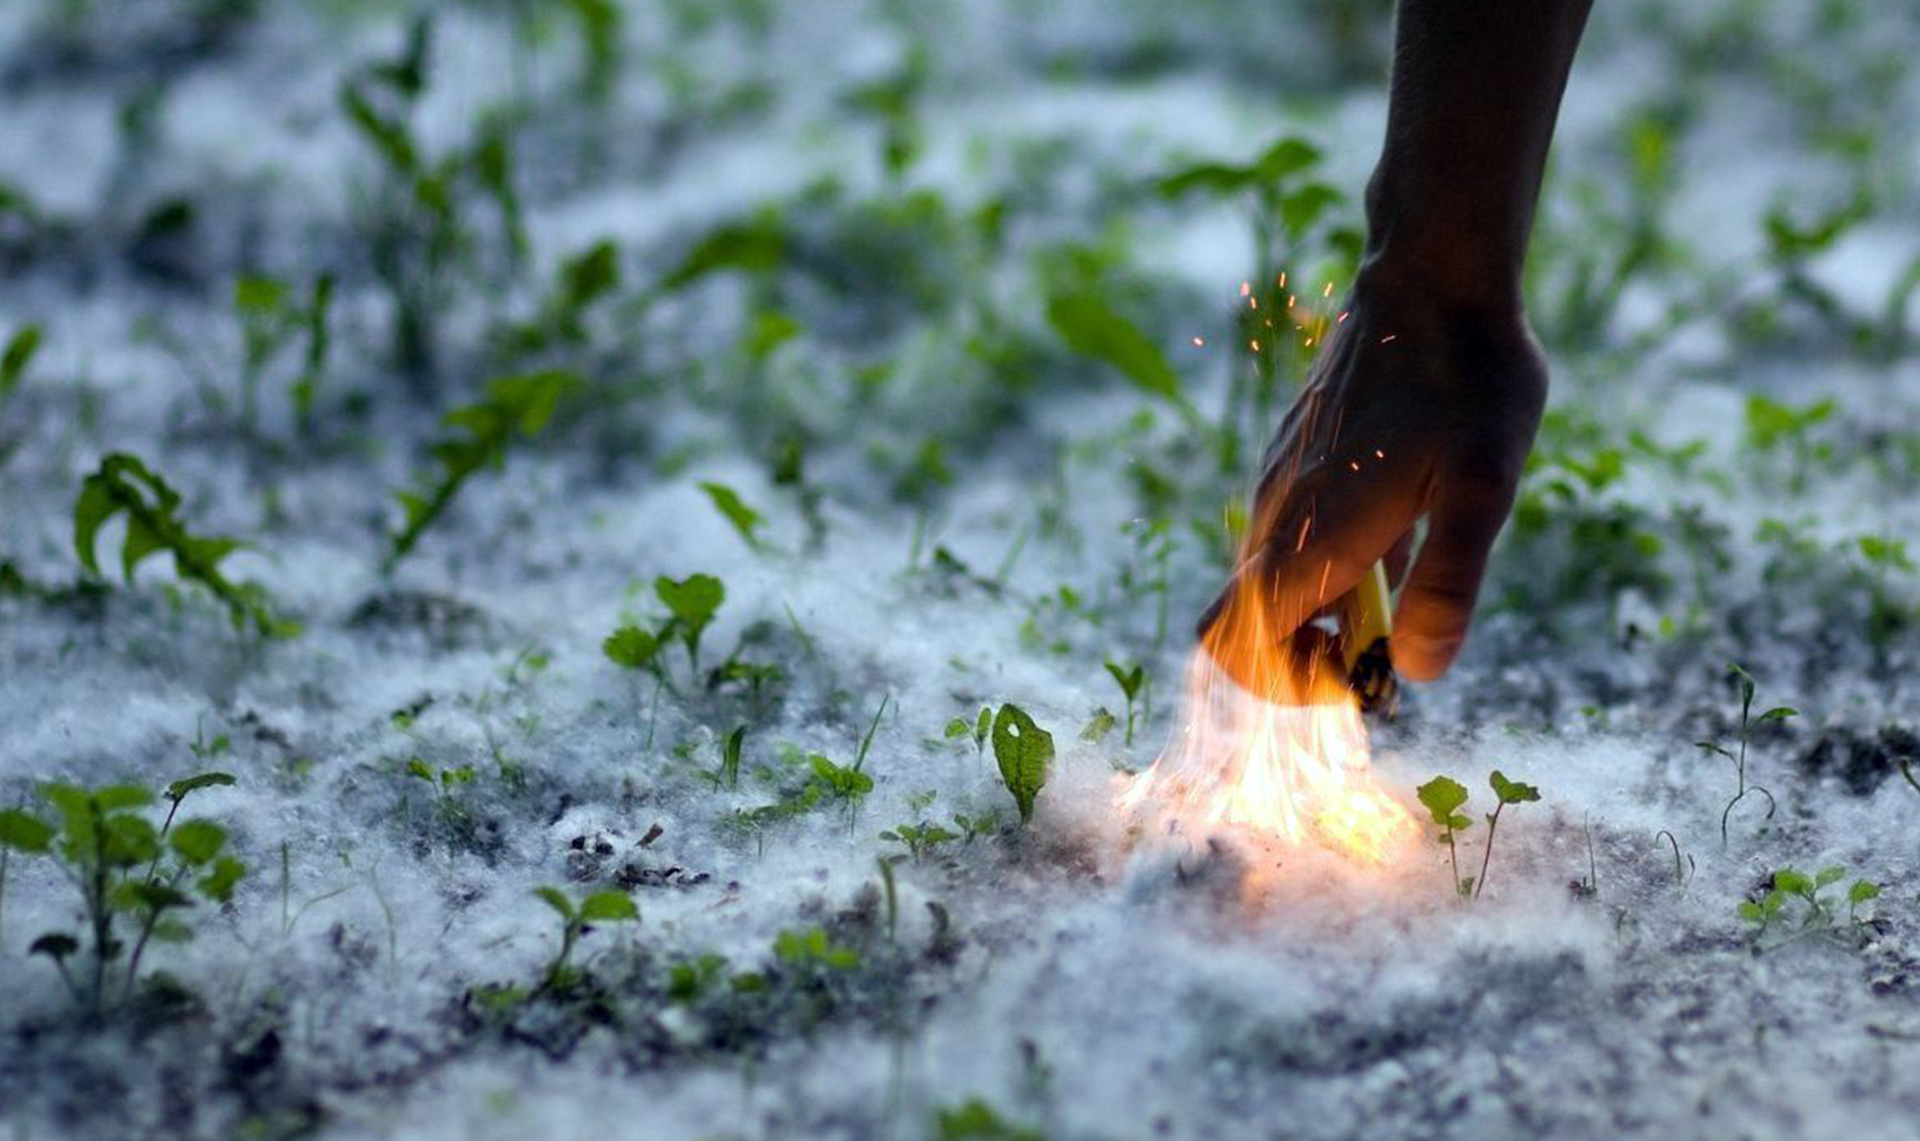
[[1818, 915], [1505, 792], [1090, 326], [978, 730], [124, 868], [744, 519], [516, 407], [975, 1120], [812, 949], [576, 922], [420, 239], [729, 775], [848, 783], [923, 836], [692, 602], [270, 321], [123, 485], [634, 648], [1443, 798], [1024, 753], [1098, 726], [456, 820], [583, 281], [1748, 723], [1680, 874], [1773, 426], [1133, 683]]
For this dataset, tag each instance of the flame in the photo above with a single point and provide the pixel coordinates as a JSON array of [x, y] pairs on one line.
[[1273, 741], [1287, 772]]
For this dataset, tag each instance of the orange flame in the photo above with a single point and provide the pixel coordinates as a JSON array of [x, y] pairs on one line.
[[1273, 742]]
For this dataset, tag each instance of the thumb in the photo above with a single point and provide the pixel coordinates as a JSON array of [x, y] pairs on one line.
[[1436, 607]]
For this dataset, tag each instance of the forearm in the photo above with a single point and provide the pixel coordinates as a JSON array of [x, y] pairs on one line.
[[1476, 89]]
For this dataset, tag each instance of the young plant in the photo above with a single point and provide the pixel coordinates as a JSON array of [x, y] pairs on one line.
[[1505, 792], [1133, 683], [420, 240], [123, 485], [455, 819], [516, 407], [692, 602], [123, 868], [922, 836], [575, 922], [1443, 798], [1024, 752], [978, 730], [270, 320], [848, 783], [584, 280], [1748, 723], [1818, 915]]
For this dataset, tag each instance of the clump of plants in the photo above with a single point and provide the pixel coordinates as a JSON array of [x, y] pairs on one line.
[[1443, 798], [124, 486], [136, 882], [1802, 905]]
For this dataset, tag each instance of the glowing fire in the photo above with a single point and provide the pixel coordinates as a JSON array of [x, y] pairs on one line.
[[1290, 772], [1273, 739]]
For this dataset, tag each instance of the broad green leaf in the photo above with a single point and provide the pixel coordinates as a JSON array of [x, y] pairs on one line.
[[1442, 795], [1512, 791], [587, 277], [259, 295], [557, 900], [608, 907], [958, 727], [1750, 911], [1098, 726], [693, 600], [1829, 875], [1090, 327], [757, 246], [219, 882], [24, 832], [1862, 891], [1024, 752], [115, 798], [197, 841], [631, 647], [1793, 882]]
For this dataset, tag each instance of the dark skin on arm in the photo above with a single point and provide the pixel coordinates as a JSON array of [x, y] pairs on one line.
[[1427, 398]]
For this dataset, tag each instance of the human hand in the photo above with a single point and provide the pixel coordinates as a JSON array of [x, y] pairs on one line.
[[1415, 409]]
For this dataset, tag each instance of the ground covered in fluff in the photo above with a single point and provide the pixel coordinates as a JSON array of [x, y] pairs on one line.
[[919, 329]]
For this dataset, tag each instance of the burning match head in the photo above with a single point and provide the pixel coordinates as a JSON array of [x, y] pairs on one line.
[[1313, 665]]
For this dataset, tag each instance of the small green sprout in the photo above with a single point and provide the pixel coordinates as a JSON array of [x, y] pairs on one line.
[[631, 647], [123, 485], [975, 1120], [922, 836], [1505, 792], [978, 730], [1098, 726], [812, 948], [14, 359], [1133, 684], [1443, 797], [1680, 875], [515, 407], [575, 922], [692, 601], [270, 321], [1024, 752], [1748, 723], [454, 817]]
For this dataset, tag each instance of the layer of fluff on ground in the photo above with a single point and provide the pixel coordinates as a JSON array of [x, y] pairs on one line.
[[1077, 984]]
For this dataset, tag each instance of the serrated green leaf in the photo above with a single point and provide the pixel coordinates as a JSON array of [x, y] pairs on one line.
[[631, 647], [1442, 795], [1512, 791], [1024, 753]]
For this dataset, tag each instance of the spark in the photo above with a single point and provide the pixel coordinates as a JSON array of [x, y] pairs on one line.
[[1328, 291], [1246, 288], [1389, 337], [1342, 320], [1199, 342], [1255, 344]]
